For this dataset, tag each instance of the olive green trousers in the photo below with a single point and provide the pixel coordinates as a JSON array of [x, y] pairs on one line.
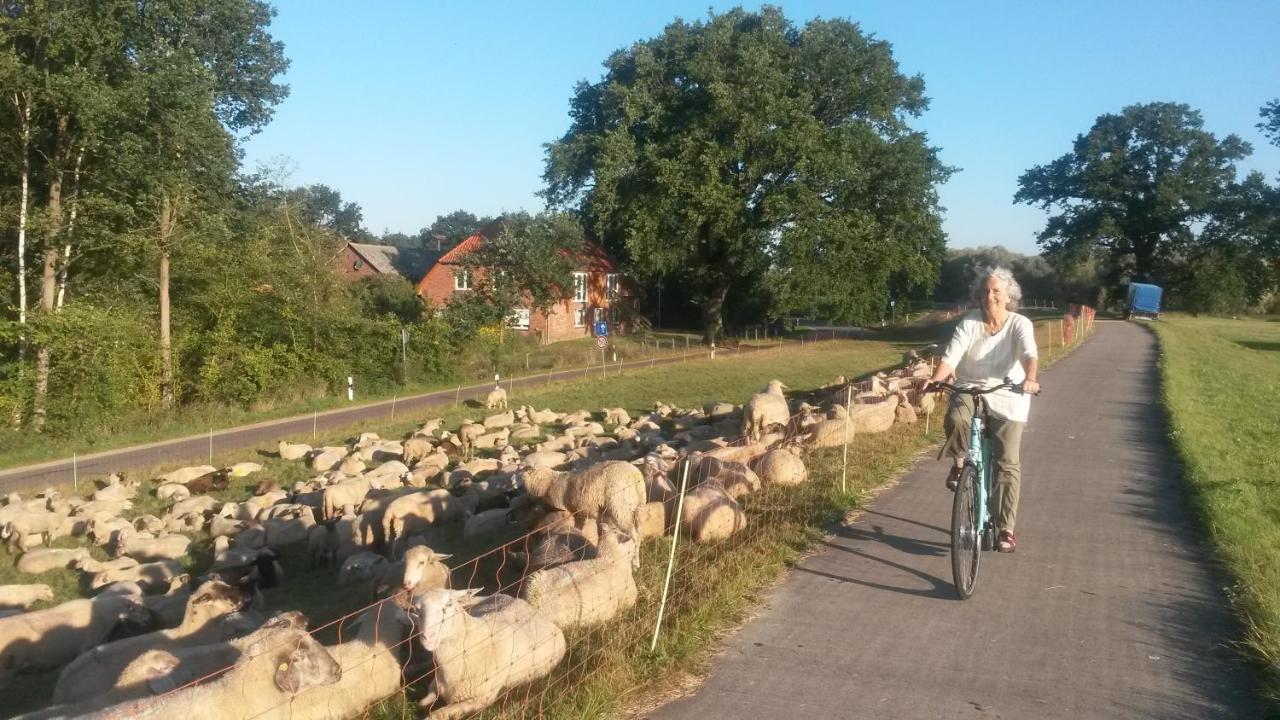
[[1006, 438]]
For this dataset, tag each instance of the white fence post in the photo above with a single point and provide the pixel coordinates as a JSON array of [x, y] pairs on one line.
[[844, 462], [671, 559]]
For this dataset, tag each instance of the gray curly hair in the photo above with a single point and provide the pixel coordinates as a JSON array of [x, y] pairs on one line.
[[1012, 289]]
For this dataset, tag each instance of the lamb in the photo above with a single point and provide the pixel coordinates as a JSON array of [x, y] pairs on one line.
[[45, 639], [173, 491], [420, 510], [43, 560], [165, 547], [482, 647], [182, 476], [588, 592], [271, 672], [89, 565], [499, 421], [96, 672], [347, 492], [709, 515], [370, 663], [497, 398], [781, 467], [288, 451], [30, 529], [764, 410], [150, 576], [23, 596], [609, 492]]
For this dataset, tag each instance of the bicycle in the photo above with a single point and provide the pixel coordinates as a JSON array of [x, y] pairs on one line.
[[971, 528]]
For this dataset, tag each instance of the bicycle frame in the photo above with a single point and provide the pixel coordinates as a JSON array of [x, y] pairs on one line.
[[980, 458]]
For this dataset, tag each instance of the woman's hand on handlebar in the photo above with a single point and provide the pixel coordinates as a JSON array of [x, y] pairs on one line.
[[1031, 387]]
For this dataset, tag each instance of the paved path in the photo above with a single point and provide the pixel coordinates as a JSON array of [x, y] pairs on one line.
[[1107, 610]]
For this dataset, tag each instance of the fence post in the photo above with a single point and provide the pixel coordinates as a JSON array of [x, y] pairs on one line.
[[393, 407], [210, 446], [315, 418], [844, 461], [456, 395], [75, 474], [671, 559]]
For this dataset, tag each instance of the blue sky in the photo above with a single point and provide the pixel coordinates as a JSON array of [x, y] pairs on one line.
[[416, 109]]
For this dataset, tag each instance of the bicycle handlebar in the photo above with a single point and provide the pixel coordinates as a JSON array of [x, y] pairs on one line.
[[974, 391]]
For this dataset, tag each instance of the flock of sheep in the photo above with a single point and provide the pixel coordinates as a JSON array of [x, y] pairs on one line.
[[155, 641]]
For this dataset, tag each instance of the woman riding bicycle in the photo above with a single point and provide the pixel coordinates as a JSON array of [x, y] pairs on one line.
[[987, 347]]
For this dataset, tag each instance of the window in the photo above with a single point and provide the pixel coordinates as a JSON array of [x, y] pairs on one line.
[[357, 264], [579, 287], [611, 286], [462, 279], [519, 319], [614, 315], [579, 317]]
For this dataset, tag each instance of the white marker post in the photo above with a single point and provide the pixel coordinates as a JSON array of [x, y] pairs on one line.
[[844, 462], [351, 388], [671, 559]]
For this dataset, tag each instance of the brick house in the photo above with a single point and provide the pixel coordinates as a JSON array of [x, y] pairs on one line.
[[361, 260], [599, 293]]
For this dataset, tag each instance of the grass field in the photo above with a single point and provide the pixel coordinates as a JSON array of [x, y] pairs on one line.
[[1221, 384], [714, 587]]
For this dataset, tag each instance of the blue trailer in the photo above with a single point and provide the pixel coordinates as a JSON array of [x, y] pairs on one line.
[[1144, 301]]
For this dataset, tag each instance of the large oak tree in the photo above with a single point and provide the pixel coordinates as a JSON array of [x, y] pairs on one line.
[[743, 152]]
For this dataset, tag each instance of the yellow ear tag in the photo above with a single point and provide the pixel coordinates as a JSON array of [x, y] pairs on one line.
[[284, 666]]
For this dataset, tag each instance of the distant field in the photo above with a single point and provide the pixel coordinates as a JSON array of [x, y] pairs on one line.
[[1221, 386]]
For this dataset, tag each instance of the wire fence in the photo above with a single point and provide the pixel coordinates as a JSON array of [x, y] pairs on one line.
[[700, 517]]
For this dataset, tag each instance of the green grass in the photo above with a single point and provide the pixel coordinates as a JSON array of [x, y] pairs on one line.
[[1220, 384], [715, 587]]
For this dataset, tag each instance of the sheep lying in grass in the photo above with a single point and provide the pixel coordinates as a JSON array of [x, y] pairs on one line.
[[145, 549], [173, 491], [116, 489], [781, 467], [23, 596], [46, 639], [290, 451], [270, 674], [370, 662], [98, 670], [90, 565], [587, 592], [482, 647], [554, 540], [860, 419], [42, 560], [608, 492], [420, 570], [736, 479], [150, 576], [710, 515]]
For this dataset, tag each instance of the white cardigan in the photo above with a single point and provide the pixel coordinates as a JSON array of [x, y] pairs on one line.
[[986, 361]]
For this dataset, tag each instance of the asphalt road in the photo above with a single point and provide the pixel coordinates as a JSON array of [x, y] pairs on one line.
[[1109, 608], [196, 448]]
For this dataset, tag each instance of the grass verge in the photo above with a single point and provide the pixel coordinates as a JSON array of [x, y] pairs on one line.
[[1220, 388]]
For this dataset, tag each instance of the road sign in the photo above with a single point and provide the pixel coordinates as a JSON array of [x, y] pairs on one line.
[[601, 341], [602, 329]]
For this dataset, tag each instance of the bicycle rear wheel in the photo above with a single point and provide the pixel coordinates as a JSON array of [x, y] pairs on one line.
[[966, 536]]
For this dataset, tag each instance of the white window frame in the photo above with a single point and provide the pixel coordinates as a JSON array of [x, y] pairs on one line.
[[580, 317], [580, 287], [462, 279], [519, 319], [611, 286]]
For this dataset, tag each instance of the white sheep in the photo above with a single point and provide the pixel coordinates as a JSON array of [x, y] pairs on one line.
[[23, 596], [764, 410], [587, 592], [327, 458], [150, 576], [347, 492], [481, 525], [781, 467], [173, 491], [497, 398], [116, 490], [416, 448], [482, 647], [243, 469], [860, 419], [361, 567], [97, 671], [42, 560], [736, 479], [709, 515], [267, 678], [289, 527], [30, 529], [45, 639], [608, 492], [420, 510], [91, 565], [292, 451], [145, 549]]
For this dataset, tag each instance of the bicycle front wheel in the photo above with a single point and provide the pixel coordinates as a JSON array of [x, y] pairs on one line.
[[966, 536]]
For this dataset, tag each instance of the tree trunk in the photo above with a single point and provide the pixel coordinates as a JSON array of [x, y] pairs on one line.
[[71, 229], [22, 104], [713, 313], [168, 218], [49, 274]]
